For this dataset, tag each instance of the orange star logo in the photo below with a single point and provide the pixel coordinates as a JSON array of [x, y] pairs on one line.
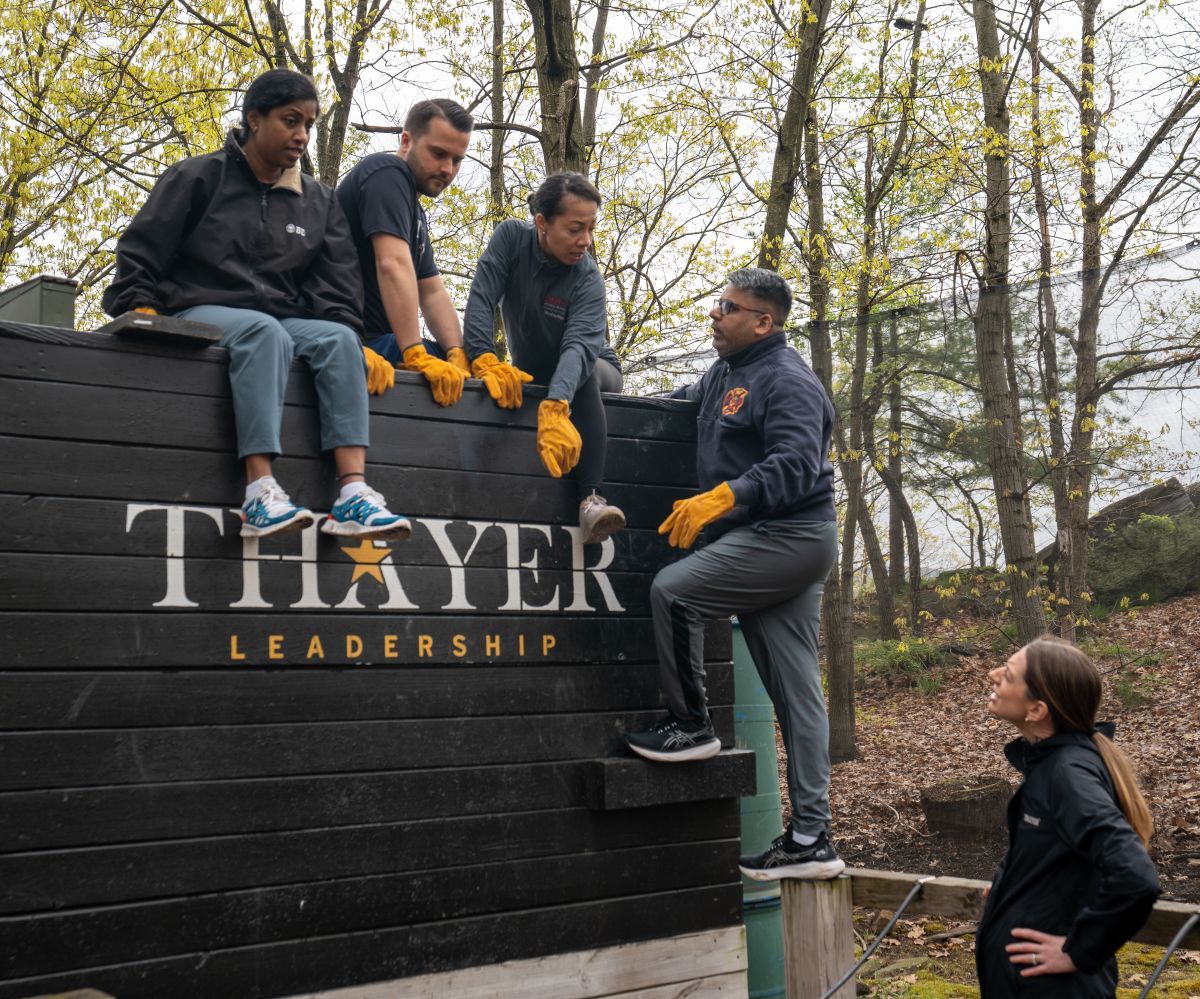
[[367, 558]]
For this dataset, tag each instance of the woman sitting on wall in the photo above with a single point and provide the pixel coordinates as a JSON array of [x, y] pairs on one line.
[[241, 239], [1076, 882], [551, 296]]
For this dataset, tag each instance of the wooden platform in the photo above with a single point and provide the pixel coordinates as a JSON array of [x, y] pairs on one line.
[[253, 769]]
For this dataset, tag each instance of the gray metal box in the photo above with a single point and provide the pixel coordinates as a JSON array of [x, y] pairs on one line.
[[45, 300]]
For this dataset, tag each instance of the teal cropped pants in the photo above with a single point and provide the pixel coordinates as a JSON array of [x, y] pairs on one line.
[[261, 349]]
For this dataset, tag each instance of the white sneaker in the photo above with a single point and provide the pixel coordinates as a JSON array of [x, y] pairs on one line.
[[365, 515], [271, 512]]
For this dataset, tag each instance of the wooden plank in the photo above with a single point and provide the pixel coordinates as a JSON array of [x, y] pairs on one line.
[[328, 962], [210, 478], [101, 359], [962, 899], [60, 879], [55, 525], [118, 583], [145, 417], [730, 986], [75, 994], [586, 974], [80, 758], [818, 937], [625, 782], [181, 640], [145, 931], [107, 814], [952, 898], [46, 820], [1167, 919], [123, 699]]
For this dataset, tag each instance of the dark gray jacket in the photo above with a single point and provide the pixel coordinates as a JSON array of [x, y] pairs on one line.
[[1074, 868], [763, 426], [211, 233], [554, 315]]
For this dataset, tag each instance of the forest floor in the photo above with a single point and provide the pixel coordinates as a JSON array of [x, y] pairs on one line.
[[909, 739]]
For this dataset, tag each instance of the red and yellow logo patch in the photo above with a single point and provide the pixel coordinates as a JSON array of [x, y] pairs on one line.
[[733, 401]]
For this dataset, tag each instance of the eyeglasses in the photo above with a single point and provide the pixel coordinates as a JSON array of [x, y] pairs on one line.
[[727, 307]]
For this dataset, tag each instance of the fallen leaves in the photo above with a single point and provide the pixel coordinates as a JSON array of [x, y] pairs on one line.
[[908, 740]]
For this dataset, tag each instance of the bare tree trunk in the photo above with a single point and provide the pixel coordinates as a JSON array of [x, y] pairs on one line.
[[898, 505], [497, 195], [895, 461], [592, 73], [332, 125], [1048, 338], [879, 572], [992, 325], [884, 596], [839, 640], [1073, 564], [790, 137], [558, 85]]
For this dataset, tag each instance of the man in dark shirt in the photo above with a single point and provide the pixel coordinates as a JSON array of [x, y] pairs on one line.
[[763, 428], [380, 198]]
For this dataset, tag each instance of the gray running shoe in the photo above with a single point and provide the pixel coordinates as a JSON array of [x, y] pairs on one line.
[[599, 519], [785, 858], [670, 742]]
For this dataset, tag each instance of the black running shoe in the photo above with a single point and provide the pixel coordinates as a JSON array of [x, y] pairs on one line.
[[785, 858], [670, 742]]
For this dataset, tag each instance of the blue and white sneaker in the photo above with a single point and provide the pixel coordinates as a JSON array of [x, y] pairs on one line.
[[365, 515], [271, 512]]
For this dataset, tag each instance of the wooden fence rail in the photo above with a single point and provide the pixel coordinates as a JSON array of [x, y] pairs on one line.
[[818, 921]]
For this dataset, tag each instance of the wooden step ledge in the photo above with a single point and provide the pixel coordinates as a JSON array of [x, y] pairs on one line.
[[631, 782]]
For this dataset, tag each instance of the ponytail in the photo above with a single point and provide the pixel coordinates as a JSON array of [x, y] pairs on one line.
[[1067, 680], [1129, 795]]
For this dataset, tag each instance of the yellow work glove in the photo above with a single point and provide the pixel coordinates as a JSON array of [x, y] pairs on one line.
[[445, 380], [690, 516], [146, 309], [458, 357], [558, 442], [381, 376], [502, 380]]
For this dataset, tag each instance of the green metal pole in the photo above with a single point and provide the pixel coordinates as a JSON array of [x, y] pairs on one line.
[[762, 818]]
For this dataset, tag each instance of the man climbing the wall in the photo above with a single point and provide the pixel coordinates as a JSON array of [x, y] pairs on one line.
[[379, 197], [767, 512]]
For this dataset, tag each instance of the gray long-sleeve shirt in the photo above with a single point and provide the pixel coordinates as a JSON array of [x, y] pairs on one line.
[[554, 314]]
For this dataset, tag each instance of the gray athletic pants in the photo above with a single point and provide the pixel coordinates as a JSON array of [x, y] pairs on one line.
[[771, 574]]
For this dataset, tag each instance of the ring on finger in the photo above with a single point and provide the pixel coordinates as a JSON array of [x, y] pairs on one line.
[[1033, 959]]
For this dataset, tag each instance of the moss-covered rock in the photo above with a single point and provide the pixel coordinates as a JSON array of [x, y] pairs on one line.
[[1158, 556]]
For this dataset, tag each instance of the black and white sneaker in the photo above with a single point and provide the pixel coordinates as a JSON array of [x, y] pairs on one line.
[[670, 742], [785, 858]]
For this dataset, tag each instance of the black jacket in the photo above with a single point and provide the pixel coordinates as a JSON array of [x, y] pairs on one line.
[[763, 426], [1074, 868], [211, 233], [554, 313]]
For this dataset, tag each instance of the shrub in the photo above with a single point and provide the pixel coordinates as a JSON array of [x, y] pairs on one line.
[[914, 661]]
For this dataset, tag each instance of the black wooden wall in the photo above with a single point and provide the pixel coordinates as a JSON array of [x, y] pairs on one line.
[[261, 770]]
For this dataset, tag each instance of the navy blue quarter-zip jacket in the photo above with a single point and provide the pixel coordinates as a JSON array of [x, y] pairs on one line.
[[211, 233], [763, 426], [554, 314], [1074, 868]]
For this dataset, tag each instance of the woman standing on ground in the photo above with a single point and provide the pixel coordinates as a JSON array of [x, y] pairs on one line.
[[241, 239], [551, 296], [1076, 882]]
